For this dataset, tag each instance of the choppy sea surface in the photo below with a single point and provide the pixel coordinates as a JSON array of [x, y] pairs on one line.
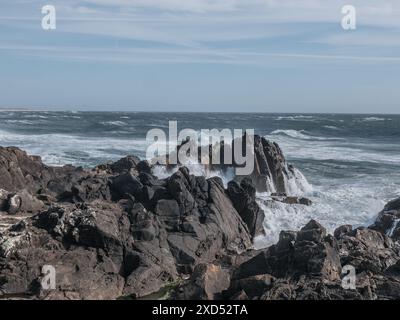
[[351, 162]]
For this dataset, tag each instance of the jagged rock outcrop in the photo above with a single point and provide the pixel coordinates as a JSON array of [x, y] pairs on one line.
[[243, 196], [271, 171], [119, 231], [388, 221], [311, 264], [113, 231], [206, 283], [19, 171], [309, 251]]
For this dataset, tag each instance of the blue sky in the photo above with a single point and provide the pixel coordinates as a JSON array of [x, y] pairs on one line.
[[201, 55]]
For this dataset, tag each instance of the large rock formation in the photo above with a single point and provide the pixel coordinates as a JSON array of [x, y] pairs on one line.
[[271, 171], [113, 231], [119, 231], [388, 221], [309, 264]]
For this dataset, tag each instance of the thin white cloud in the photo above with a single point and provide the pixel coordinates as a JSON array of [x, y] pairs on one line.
[[384, 38], [192, 56], [198, 28]]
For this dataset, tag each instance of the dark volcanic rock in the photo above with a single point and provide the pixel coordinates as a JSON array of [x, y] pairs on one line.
[[124, 165], [119, 231], [20, 202], [388, 221], [307, 265], [243, 197], [291, 200], [270, 165], [19, 171], [309, 252], [113, 231], [271, 171], [206, 283], [126, 185]]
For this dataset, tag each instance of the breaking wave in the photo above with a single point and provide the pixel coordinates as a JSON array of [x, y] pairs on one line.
[[114, 123], [300, 134], [369, 119]]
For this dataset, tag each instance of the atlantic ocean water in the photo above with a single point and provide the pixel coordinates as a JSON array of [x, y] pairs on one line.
[[351, 162]]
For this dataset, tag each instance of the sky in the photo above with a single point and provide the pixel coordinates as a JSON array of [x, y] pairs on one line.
[[201, 55]]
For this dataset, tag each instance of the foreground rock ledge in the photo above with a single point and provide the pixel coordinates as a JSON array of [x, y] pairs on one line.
[[118, 231]]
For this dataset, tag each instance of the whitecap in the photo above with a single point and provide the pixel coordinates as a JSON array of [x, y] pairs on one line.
[[114, 123], [296, 118], [300, 134], [26, 122], [332, 127], [369, 119]]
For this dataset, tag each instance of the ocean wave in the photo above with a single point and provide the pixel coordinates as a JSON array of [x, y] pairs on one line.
[[332, 127], [332, 150], [297, 184], [26, 122], [198, 170], [299, 134], [114, 123], [35, 116], [333, 206], [61, 149], [371, 119], [291, 133], [296, 118], [68, 117]]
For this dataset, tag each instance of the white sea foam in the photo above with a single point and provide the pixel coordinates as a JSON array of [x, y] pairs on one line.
[[60, 149], [300, 134], [297, 184], [369, 119], [393, 228], [331, 127], [296, 118], [35, 116], [114, 123], [332, 207], [26, 122], [332, 149], [198, 170]]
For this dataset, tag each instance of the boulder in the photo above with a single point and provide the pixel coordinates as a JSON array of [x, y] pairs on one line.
[[4, 195], [309, 252], [367, 250], [388, 221], [291, 200], [243, 197], [206, 283], [169, 213], [14, 204], [252, 287], [126, 185]]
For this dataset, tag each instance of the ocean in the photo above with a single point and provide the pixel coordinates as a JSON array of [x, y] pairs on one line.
[[351, 163]]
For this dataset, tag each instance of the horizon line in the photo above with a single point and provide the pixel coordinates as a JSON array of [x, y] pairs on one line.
[[38, 109]]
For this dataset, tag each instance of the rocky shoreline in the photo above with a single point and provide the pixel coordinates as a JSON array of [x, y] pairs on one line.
[[118, 231]]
